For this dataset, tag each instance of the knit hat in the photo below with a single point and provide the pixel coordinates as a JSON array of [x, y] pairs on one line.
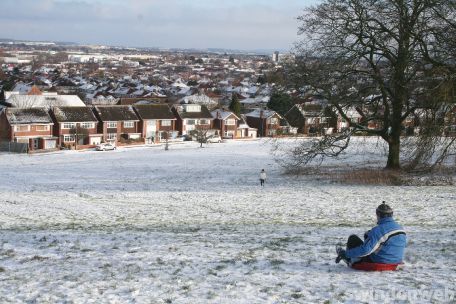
[[384, 210]]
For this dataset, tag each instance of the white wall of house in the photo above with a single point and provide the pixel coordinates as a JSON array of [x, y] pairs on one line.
[[95, 140], [252, 133], [50, 144], [151, 128]]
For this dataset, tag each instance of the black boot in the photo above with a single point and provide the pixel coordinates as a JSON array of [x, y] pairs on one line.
[[341, 255]]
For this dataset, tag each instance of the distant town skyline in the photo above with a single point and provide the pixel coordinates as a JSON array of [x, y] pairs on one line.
[[235, 24]]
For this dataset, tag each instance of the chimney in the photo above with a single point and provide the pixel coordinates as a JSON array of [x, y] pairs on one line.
[[261, 114]]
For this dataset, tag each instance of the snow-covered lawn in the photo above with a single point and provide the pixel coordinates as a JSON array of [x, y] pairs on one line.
[[191, 225]]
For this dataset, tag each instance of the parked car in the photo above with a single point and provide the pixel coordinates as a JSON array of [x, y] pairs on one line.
[[105, 146], [214, 139], [184, 138]]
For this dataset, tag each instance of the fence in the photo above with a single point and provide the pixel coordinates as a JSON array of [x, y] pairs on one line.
[[15, 147]]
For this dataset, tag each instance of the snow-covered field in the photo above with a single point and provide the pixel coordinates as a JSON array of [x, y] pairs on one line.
[[191, 225]]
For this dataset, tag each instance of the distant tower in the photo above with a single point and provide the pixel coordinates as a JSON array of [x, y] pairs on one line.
[[275, 56]]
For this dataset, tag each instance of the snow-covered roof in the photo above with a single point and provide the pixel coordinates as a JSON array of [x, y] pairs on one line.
[[36, 101], [259, 99], [74, 114], [22, 88], [198, 99], [262, 113], [180, 84], [28, 116], [352, 113], [222, 114], [309, 109]]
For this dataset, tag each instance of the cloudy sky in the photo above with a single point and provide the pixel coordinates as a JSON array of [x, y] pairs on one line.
[[235, 24]]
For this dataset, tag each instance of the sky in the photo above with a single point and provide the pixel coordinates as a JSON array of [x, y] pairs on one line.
[[231, 24]]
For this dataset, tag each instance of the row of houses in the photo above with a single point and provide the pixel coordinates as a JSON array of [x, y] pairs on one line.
[[82, 127]]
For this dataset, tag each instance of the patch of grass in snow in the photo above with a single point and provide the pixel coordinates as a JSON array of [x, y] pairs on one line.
[[220, 267], [370, 177], [229, 261], [296, 295], [38, 258], [186, 288], [9, 253], [276, 262], [278, 243]]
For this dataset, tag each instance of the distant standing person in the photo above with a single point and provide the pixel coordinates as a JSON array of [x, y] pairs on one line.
[[262, 177]]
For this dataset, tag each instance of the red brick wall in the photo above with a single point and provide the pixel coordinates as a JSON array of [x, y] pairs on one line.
[[33, 132], [5, 130]]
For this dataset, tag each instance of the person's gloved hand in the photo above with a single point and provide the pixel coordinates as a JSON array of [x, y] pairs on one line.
[[341, 255]]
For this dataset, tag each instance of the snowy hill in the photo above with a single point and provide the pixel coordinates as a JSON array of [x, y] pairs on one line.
[[192, 225]]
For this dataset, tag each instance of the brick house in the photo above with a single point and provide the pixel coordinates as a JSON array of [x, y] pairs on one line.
[[31, 126], [226, 122], [157, 122], [267, 122], [191, 117], [76, 126], [352, 114], [244, 130], [118, 124], [310, 119]]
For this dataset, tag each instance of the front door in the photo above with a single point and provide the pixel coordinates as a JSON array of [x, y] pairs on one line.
[[36, 143]]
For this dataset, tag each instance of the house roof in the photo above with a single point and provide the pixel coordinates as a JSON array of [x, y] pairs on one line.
[[39, 101], [35, 91], [204, 113], [28, 116], [262, 113], [308, 109], [154, 111], [223, 114], [198, 99], [74, 114], [116, 113]]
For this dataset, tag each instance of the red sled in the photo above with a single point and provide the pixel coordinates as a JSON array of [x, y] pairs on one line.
[[374, 266]]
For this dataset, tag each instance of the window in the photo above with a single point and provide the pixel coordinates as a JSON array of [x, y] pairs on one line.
[[111, 124], [42, 128], [111, 136], [166, 123], [22, 128], [192, 108], [273, 121], [68, 125], [311, 121], [129, 124], [88, 125], [230, 122], [190, 122], [68, 138], [204, 122]]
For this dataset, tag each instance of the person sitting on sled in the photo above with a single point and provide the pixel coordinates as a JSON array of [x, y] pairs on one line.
[[385, 243]]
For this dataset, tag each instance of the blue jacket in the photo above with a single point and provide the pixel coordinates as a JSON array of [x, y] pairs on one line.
[[385, 243]]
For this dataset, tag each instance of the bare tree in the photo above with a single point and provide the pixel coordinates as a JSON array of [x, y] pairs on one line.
[[79, 134], [201, 134], [384, 60]]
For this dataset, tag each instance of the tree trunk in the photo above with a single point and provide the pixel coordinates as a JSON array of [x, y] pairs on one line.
[[394, 148]]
